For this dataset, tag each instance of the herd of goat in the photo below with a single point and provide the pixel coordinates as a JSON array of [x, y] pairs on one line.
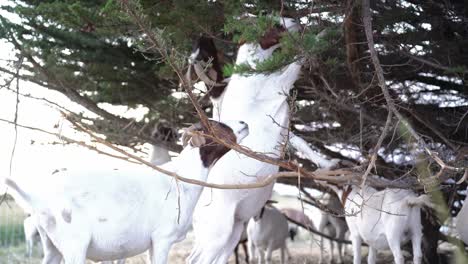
[[108, 215]]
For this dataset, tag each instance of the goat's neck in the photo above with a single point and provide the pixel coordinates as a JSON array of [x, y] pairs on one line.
[[159, 155], [252, 54], [189, 165]]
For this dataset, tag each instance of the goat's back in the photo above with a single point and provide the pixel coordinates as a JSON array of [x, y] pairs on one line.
[[382, 214], [270, 229]]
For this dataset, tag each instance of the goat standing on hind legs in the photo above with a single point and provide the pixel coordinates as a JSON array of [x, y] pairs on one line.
[[262, 100]]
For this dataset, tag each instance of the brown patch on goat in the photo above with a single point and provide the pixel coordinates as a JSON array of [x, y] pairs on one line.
[[211, 151], [271, 37], [209, 53]]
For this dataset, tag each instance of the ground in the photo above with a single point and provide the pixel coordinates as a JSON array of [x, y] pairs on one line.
[[302, 253], [305, 250]]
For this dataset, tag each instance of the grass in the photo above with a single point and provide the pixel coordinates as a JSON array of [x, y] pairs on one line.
[[11, 224]]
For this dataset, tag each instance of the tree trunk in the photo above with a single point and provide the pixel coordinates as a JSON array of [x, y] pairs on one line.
[[430, 239]]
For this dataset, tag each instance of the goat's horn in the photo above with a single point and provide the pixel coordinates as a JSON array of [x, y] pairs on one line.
[[465, 176], [187, 136], [202, 75]]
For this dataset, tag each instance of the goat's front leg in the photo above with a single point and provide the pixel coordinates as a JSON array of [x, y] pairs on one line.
[[160, 249], [356, 241], [302, 146], [372, 255]]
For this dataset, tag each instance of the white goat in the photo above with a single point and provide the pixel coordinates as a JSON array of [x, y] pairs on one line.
[[261, 100], [165, 135], [462, 218], [267, 232], [108, 215], [333, 226], [30, 234], [384, 220], [159, 155]]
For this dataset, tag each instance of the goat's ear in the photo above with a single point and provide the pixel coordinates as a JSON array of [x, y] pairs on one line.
[[197, 140]]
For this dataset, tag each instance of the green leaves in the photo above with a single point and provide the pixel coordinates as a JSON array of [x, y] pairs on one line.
[[249, 28]]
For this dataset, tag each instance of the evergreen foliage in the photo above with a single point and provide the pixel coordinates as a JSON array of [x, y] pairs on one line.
[[96, 52]]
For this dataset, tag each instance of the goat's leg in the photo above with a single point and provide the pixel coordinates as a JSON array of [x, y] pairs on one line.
[[288, 253], [332, 247], [29, 246], [232, 242], [341, 235], [160, 249], [283, 251], [75, 256], [221, 233], [246, 253], [194, 254], [321, 229], [356, 241], [236, 254], [302, 146], [371, 258], [252, 251], [321, 248], [261, 256], [416, 243], [394, 243], [51, 253], [268, 254]]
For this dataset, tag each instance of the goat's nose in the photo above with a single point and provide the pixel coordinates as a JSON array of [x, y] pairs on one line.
[[242, 122]]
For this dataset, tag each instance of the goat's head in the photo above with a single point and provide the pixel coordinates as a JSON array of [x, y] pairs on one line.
[[206, 62], [211, 151], [253, 53], [163, 132], [292, 230]]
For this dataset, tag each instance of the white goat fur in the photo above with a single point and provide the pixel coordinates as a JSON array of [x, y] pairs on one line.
[[462, 219], [115, 214], [384, 220], [266, 234], [260, 100], [159, 156], [30, 234], [333, 226]]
